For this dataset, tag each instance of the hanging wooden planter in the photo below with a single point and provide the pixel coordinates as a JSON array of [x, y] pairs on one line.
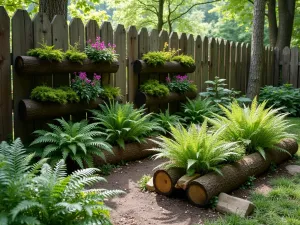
[[141, 67], [31, 109], [25, 65], [132, 151], [202, 189], [143, 99]]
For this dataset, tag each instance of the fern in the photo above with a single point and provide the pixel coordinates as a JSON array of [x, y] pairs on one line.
[[123, 123], [38, 194], [256, 127], [47, 53], [76, 141], [196, 150], [74, 55], [166, 120]]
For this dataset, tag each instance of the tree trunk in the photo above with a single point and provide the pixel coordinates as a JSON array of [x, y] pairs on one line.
[[273, 28], [257, 47], [286, 10], [160, 15], [54, 7]]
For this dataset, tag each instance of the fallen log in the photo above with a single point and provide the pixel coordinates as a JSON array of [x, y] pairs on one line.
[[201, 190], [132, 151], [166, 180]]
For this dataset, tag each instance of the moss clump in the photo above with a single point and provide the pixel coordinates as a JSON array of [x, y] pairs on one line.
[[111, 93], [74, 55], [61, 95], [47, 52], [156, 58], [184, 60], [154, 88]]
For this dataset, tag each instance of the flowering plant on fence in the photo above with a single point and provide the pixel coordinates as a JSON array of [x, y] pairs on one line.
[[99, 52], [180, 84], [85, 88]]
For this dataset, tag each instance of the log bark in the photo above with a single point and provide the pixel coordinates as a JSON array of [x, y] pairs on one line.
[[201, 190], [141, 67], [166, 180], [132, 151], [26, 65], [144, 99], [257, 49], [272, 19], [30, 109]]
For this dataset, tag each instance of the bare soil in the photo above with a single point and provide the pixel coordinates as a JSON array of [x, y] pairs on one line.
[[149, 208]]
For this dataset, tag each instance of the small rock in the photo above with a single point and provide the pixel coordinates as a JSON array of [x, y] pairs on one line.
[[234, 205], [293, 169], [150, 185]]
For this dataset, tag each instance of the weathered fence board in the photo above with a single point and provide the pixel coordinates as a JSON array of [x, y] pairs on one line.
[[232, 69], [221, 57], [294, 66], [205, 63], [198, 62], [5, 79]]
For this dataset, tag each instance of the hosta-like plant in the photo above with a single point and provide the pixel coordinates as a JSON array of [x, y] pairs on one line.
[[51, 197], [123, 123], [257, 127], [78, 141], [166, 120], [196, 150]]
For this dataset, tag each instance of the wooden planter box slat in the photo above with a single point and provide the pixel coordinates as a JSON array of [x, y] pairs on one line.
[[31, 109], [26, 65], [132, 151], [140, 67], [142, 98]]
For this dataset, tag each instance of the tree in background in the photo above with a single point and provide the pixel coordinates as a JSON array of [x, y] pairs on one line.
[[257, 48]]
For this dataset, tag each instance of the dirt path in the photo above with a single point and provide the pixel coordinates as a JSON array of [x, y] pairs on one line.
[[144, 208]]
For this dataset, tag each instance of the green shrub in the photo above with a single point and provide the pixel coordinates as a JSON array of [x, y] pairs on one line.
[[37, 194], [74, 55], [143, 182], [47, 52], [166, 120], [48, 94], [123, 123], [181, 84], [196, 150], [194, 111], [285, 97], [154, 88], [184, 60], [111, 93], [77, 141], [256, 127], [71, 95]]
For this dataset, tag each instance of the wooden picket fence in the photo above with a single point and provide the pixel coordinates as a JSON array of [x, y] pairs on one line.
[[213, 57]]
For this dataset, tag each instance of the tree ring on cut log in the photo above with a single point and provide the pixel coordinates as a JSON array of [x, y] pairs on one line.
[[197, 195], [164, 183]]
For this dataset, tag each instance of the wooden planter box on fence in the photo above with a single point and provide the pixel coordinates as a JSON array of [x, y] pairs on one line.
[[140, 67], [132, 151], [142, 98], [31, 109], [26, 65]]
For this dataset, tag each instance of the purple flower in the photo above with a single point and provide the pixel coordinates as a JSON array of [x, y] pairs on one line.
[[88, 81], [97, 77], [168, 79], [82, 75]]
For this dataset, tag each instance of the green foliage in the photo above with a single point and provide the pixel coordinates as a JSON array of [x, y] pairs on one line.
[[279, 207], [123, 123], [185, 60], [47, 53], [37, 194], [195, 149], [256, 127], [99, 52], [74, 55], [106, 169], [60, 95], [181, 84], [166, 120], [194, 111], [249, 183], [154, 88], [77, 141], [110, 92], [218, 94], [285, 97], [143, 182]]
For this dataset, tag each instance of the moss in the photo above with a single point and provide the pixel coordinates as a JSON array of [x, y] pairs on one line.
[[156, 58], [47, 52], [184, 60], [60, 95], [111, 92], [74, 55], [154, 88]]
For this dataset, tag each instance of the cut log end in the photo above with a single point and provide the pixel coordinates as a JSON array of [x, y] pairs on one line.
[[19, 64], [197, 195]]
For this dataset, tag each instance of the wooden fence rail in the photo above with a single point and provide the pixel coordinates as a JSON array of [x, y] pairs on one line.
[[213, 57]]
